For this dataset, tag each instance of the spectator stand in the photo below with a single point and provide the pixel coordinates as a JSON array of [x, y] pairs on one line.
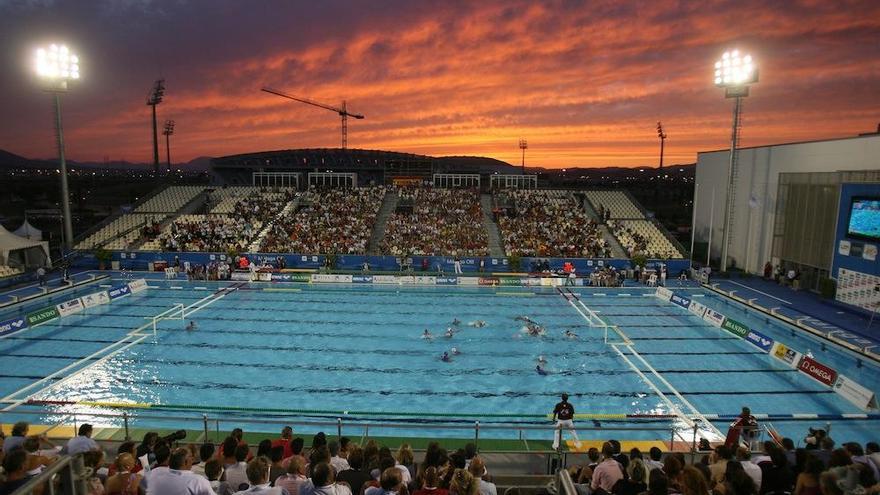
[[457, 180], [513, 182]]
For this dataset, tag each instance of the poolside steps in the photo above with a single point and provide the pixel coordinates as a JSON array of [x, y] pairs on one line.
[[389, 204], [496, 250], [617, 250]]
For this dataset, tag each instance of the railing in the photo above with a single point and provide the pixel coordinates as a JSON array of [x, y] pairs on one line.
[[68, 471], [564, 484]]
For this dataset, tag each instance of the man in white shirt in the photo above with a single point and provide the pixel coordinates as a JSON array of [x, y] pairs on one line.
[[82, 442], [258, 476], [177, 479], [236, 475], [338, 463], [753, 470]]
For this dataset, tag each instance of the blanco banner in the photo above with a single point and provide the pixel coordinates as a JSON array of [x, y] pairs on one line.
[[421, 280], [663, 293], [697, 308], [468, 280], [785, 354], [713, 317], [69, 307], [330, 278], [384, 279], [240, 276], [855, 393], [137, 285], [95, 299]]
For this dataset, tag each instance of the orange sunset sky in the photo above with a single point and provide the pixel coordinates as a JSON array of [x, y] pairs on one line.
[[584, 82]]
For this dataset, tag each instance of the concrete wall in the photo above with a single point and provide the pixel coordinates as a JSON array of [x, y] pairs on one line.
[[759, 169]]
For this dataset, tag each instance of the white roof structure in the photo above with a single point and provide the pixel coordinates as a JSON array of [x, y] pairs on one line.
[[20, 252], [29, 231]]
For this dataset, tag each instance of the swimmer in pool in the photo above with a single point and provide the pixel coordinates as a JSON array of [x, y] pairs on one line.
[[455, 351], [524, 318], [456, 322], [449, 333], [534, 330], [542, 360], [540, 369], [427, 335], [191, 326], [570, 335], [445, 357], [477, 324]]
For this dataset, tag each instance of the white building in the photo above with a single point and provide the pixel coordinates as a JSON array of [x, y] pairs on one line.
[[793, 183]]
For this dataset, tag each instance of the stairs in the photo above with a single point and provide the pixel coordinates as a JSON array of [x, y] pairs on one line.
[[617, 251], [196, 204], [585, 204], [495, 248], [258, 241], [389, 204]]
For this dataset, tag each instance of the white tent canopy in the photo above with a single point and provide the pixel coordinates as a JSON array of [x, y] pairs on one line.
[[19, 252], [29, 231]]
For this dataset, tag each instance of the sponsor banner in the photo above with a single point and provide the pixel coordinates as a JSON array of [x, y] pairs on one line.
[[817, 371], [681, 301], [855, 393], [663, 293], [785, 354], [290, 277], [11, 326], [42, 316], [384, 279], [119, 291], [489, 281], [510, 281], [468, 281], [737, 328], [95, 299], [240, 276], [325, 278], [697, 308], [713, 317], [69, 307], [362, 279], [446, 281], [529, 282], [137, 285], [264, 276], [422, 280], [760, 340], [406, 280]]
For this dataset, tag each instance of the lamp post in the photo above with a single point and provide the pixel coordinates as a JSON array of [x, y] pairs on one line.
[[734, 72], [168, 131], [523, 145], [662, 136], [153, 99], [57, 66]]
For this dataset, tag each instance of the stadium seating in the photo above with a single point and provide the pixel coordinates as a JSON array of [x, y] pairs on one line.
[[442, 222], [119, 232], [225, 200], [6, 271], [216, 233], [548, 223], [643, 236], [617, 202], [170, 199]]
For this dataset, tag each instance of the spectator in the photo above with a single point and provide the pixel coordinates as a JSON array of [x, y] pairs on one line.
[[478, 469], [125, 481], [693, 482], [284, 440], [338, 463], [177, 478], [463, 483], [206, 452], [323, 482], [430, 482], [258, 477], [608, 472], [743, 455], [236, 474], [14, 464], [295, 476], [634, 483], [808, 480], [390, 483], [82, 442]]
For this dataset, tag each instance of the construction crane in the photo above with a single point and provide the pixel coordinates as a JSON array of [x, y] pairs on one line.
[[343, 112]]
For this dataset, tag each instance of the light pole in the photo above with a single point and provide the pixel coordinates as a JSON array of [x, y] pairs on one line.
[[169, 130], [523, 145], [734, 72], [662, 136], [153, 99], [57, 65]]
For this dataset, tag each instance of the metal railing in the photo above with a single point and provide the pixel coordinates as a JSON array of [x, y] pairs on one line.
[[68, 475]]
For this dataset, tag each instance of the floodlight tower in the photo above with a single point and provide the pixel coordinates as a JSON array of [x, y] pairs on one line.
[[57, 65], [662, 136], [167, 132], [523, 145], [153, 99], [734, 72]]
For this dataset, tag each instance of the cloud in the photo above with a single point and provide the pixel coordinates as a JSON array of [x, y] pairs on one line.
[[585, 82]]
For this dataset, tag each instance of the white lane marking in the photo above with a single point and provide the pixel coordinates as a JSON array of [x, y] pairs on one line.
[[759, 292]]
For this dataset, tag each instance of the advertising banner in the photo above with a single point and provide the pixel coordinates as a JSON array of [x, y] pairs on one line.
[[264, 276], [137, 285], [95, 299], [489, 281], [446, 281], [11, 326], [422, 280], [510, 281], [760, 340], [362, 279], [697, 308], [663, 293], [735, 327], [713, 317], [290, 277], [681, 301], [468, 281], [855, 393], [384, 279], [42, 316], [785, 354], [69, 307], [323, 278], [529, 282], [817, 371], [240, 276], [119, 291]]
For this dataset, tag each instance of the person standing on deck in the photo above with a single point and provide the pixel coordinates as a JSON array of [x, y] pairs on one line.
[[563, 414]]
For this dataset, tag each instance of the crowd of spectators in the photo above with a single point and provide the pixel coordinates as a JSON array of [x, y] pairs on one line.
[[216, 233], [440, 222], [280, 466], [548, 223], [332, 221]]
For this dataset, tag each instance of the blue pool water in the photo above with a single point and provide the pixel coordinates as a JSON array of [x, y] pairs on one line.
[[329, 349]]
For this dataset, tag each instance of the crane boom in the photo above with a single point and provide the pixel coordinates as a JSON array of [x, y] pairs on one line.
[[340, 111]]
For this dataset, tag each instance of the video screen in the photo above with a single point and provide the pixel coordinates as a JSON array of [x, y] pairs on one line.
[[864, 218]]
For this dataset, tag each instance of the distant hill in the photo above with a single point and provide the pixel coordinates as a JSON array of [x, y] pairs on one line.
[[11, 160]]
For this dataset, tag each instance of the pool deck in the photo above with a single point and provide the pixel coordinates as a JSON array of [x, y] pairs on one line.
[[805, 309]]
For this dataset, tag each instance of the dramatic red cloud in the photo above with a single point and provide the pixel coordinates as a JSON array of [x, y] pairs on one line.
[[585, 83]]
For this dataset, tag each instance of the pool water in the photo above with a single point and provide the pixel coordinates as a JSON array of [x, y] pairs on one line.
[[324, 350]]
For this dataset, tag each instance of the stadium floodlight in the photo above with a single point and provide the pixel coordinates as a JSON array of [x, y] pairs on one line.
[[523, 145], [734, 72], [57, 65]]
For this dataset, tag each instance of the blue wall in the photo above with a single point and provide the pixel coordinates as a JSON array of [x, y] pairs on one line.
[[853, 262]]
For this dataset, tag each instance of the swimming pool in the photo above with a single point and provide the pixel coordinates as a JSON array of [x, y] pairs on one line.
[[328, 350]]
